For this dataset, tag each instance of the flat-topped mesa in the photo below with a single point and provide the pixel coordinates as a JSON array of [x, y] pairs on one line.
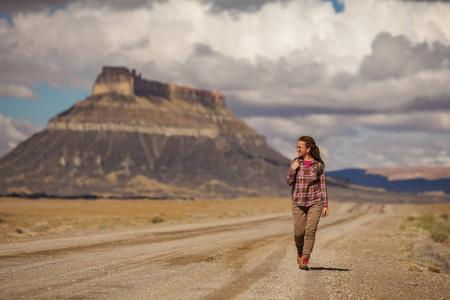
[[136, 138], [120, 80]]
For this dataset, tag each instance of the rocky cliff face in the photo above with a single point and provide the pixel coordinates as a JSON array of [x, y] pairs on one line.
[[138, 138]]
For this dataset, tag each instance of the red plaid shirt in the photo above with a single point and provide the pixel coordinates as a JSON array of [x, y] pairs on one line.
[[308, 188]]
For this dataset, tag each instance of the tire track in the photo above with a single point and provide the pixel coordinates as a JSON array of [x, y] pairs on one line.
[[143, 238], [250, 252], [275, 251]]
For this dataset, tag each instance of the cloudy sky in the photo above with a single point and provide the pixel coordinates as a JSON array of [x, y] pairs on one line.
[[369, 80]]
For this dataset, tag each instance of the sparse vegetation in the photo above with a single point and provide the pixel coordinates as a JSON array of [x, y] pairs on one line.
[[19, 230], [40, 227], [414, 267], [434, 269], [426, 220], [410, 218], [62, 215], [438, 231], [430, 255], [157, 219], [434, 256]]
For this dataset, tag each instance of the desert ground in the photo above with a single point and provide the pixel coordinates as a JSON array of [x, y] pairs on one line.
[[219, 249]]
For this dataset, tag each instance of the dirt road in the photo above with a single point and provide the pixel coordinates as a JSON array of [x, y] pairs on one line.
[[253, 258]]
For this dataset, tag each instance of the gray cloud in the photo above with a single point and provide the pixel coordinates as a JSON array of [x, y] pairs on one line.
[[439, 103], [408, 150], [208, 68], [14, 6], [14, 131], [344, 80], [426, 0], [239, 5], [396, 56], [118, 4], [17, 68], [425, 122], [246, 110], [140, 44], [217, 6]]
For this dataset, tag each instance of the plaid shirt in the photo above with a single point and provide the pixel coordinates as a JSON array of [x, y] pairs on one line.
[[308, 188]]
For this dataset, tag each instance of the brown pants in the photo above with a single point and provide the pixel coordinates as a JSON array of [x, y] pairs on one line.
[[306, 220]]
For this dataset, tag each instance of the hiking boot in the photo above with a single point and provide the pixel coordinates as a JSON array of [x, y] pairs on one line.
[[299, 258], [304, 263]]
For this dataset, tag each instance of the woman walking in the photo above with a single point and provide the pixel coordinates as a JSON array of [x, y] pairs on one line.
[[309, 196]]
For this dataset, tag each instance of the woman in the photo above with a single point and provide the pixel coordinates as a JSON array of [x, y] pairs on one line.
[[309, 196]]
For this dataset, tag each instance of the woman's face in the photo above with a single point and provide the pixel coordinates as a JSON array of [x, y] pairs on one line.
[[301, 148]]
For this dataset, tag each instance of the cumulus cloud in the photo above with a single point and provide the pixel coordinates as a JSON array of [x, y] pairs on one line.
[[290, 110], [238, 5], [406, 149], [30, 5], [282, 133], [38, 5], [428, 0], [14, 131], [397, 56], [233, 6], [288, 67], [416, 121], [438, 103], [18, 91]]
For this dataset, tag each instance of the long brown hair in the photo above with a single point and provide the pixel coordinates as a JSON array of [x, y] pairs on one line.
[[311, 143]]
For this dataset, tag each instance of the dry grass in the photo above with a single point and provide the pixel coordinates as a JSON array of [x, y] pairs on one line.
[[434, 269], [37, 217], [427, 229]]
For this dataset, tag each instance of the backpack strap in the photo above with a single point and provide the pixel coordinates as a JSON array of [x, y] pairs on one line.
[[300, 159], [319, 168]]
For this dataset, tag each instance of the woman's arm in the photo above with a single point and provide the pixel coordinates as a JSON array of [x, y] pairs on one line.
[[323, 188]]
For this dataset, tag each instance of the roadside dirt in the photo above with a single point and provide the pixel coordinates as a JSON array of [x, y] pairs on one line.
[[358, 254]]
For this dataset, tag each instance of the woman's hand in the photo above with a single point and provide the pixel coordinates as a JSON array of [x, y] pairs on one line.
[[295, 164], [325, 212]]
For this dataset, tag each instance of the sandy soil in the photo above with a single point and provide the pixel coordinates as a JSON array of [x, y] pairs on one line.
[[361, 252]]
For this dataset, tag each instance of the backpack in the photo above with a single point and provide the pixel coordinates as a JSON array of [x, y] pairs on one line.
[[319, 172]]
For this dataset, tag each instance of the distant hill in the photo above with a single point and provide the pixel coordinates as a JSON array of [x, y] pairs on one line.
[[428, 173], [386, 179]]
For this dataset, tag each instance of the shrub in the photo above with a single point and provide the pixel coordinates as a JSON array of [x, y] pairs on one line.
[[434, 269], [40, 227], [157, 219], [439, 232], [410, 218], [426, 221], [436, 255]]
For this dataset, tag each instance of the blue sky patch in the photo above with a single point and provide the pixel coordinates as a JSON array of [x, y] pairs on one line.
[[51, 102]]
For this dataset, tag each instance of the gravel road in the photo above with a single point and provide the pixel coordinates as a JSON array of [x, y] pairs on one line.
[[252, 258]]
